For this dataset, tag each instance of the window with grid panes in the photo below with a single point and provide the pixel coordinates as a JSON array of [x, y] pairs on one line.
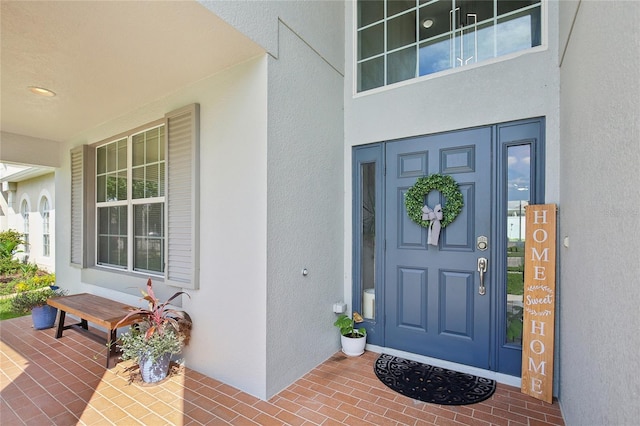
[[123, 218], [130, 196], [403, 39], [24, 212], [44, 213]]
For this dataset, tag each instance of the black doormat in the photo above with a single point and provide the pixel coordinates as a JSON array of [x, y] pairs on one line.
[[432, 384]]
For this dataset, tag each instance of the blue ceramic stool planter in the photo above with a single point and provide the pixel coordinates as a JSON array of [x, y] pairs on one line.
[[44, 317]]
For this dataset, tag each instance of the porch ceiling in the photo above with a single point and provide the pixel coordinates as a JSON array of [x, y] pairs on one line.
[[104, 59]]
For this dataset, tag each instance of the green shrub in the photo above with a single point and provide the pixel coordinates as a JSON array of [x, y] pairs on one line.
[[29, 269], [134, 343], [27, 283], [27, 300], [10, 240], [5, 310], [10, 266]]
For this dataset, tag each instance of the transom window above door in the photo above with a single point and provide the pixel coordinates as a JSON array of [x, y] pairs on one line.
[[403, 39]]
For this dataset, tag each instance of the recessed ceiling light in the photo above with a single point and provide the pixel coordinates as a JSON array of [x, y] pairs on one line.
[[41, 91], [428, 23]]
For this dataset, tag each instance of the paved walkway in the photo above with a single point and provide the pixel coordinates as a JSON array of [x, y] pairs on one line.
[[44, 381]]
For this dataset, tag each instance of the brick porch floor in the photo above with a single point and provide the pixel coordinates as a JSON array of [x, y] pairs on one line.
[[45, 381]]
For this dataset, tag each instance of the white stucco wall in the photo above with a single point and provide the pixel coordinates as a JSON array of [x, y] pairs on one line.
[[33, 191], [228, 340], [305, 210], [318, 22], [600, 133], [305, 41]]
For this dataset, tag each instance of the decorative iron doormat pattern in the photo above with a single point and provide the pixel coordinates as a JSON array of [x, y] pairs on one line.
[[432, 384]]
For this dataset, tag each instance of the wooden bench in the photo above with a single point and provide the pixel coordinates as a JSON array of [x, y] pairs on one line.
[[94, 309]]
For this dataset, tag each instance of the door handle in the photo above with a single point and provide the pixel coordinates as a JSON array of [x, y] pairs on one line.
[[482, 268]]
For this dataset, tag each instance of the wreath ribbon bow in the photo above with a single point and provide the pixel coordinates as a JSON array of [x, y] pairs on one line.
[[443, 214], [434, 217]]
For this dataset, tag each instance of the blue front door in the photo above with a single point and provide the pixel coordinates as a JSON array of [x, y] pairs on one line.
[[432, 301]]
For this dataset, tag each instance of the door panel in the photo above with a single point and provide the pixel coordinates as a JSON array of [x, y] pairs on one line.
[[432, 304], [412, 295], [460, 238], [456, 303]]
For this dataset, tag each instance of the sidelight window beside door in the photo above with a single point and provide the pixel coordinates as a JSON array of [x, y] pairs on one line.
[[518, 196]]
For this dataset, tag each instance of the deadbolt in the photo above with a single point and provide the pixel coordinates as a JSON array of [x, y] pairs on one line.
[[482, 243]]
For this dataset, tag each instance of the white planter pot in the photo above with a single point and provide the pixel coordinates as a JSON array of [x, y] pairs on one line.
[[353, 346]]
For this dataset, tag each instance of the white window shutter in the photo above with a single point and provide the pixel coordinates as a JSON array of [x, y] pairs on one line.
[[182, 267], [81, 205]]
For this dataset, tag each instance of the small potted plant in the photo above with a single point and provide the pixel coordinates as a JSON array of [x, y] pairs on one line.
[[35, 301], [159, 333], [353, 340]]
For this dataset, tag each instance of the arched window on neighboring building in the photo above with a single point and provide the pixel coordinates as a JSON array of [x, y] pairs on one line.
[[44, 212], [24, 212]]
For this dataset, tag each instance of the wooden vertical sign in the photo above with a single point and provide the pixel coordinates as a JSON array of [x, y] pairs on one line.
[[539, 301]]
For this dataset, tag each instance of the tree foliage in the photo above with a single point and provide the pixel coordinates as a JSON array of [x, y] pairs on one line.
[[10, 241]]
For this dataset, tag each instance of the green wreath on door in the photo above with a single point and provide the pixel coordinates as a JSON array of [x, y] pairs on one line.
[[415, 198]]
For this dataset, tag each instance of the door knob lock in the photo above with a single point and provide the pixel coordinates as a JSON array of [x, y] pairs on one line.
[[482, 269]]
